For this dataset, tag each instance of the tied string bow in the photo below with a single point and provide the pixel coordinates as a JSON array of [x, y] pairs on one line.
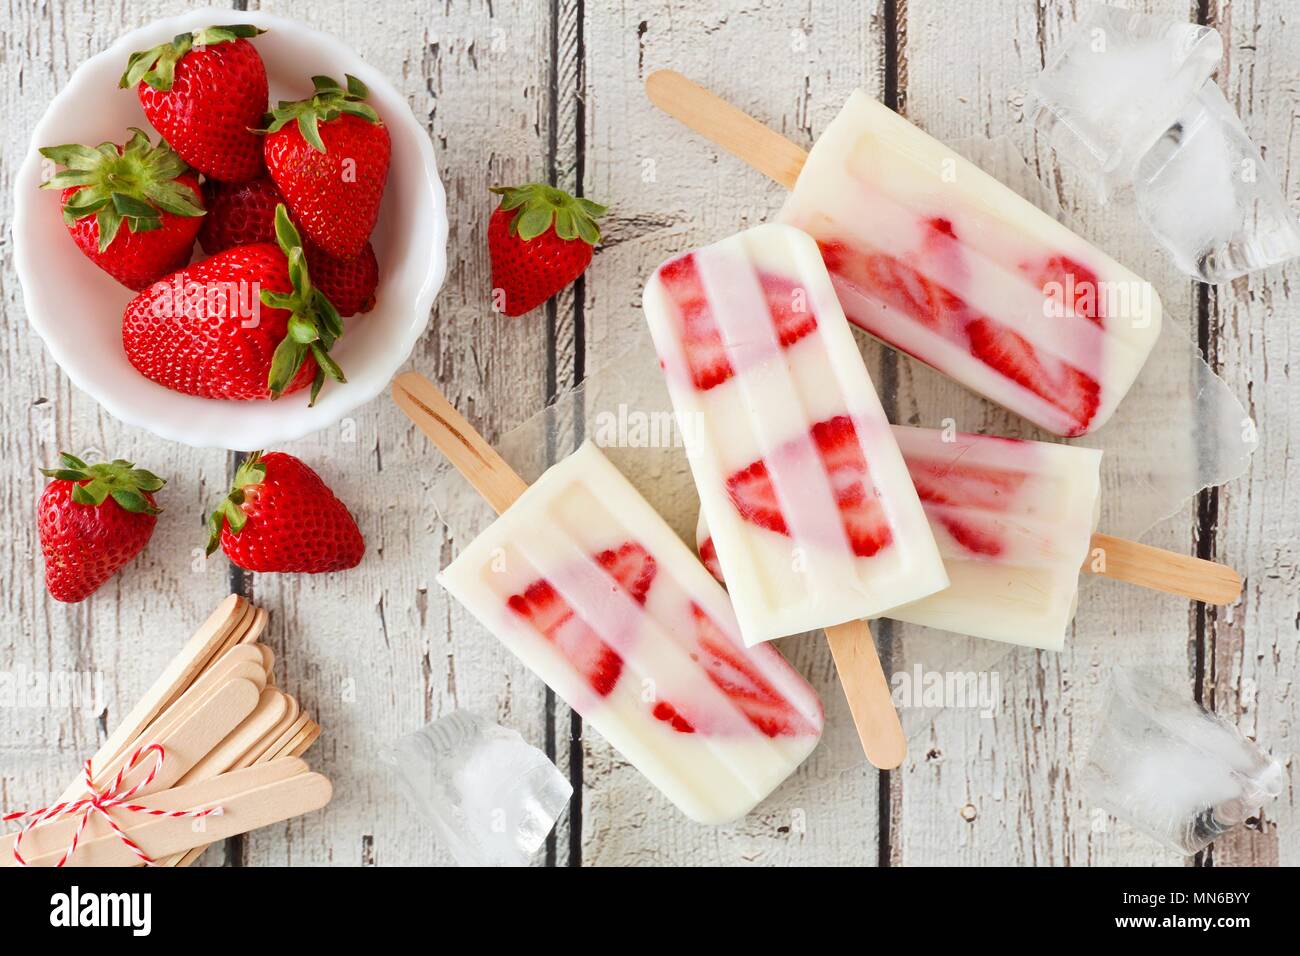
[[101, 802]]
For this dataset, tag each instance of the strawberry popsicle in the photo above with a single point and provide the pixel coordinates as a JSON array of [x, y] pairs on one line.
[[815, 520], [1013, 520], [935, 257], [587, 585]]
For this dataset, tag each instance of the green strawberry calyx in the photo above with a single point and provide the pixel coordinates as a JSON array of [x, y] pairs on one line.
[[118, 479], [329, 101], [314, 323], [229, 511], [157, 66], [135, 184], [540, 206]]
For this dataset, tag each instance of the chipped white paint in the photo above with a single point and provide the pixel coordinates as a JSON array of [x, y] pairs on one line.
[[378, 651]]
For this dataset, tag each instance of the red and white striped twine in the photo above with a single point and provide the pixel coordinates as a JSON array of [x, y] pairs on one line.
[[101, 801]]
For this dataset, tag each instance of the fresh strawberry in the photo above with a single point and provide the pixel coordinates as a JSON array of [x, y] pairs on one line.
[[329, 158], [239, 214], [349, 284], [206, 93], [701, 339], [280, 516], [146, 187], [93, 519], [732, 671], [550, 615], [244, 213], [1075, 393], [539, 239], [754, 496], [245, 324]]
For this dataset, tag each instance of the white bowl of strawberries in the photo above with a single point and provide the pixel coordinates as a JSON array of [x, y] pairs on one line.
[[305, 264]]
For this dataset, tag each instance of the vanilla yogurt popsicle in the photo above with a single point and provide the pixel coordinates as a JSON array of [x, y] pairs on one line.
[[814, 517], [591, 589], [935, 257], [1013, 520]]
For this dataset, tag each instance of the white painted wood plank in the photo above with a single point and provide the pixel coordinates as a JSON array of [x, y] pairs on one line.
[[670, 191], [1004, 790], [1254, 656], [379, 651], [121, 637]]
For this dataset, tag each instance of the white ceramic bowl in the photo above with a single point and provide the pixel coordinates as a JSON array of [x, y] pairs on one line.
[[77, 309]]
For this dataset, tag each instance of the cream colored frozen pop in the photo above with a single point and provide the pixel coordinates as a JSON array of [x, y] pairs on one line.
[[1015, 522], [935, 257], [591, 589], [814, 517]]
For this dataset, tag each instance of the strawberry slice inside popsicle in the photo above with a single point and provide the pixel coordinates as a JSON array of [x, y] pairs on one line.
[[734, 674], [752, 492], [551, 616], [701, 339], [899, 286]]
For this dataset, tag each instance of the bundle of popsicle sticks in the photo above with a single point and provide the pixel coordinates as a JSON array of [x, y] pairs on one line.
[[230, 738]]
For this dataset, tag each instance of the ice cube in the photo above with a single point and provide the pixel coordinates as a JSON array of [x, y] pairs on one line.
[[1204, 190], [491, 796], [1173, 769], [1129, 100], [1118, 81]]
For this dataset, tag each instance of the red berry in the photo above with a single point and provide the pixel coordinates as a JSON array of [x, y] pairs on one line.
[[239, 214], [134, 213], [329, 155], [219, 329], [540, 240], [280, 516], [92, 520], [206, 93]]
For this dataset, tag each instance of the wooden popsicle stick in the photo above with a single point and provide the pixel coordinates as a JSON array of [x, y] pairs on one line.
[[246, 613], [256, 627], [733, 129], [176, 676], [870, 702], [261, 752], [190, 741], [456, 438], [881, 734], [1162, 570], [302, 743], [191, 737], [277, 746], [203, 689], [295, 792], [271, 706], [268, 658]]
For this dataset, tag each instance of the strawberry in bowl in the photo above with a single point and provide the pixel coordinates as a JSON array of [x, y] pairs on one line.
[[77, 308], [244, 324], [329, 155], [133, 209], [205, 91]]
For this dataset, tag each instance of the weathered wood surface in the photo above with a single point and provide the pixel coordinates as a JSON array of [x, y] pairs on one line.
[[518, 91]]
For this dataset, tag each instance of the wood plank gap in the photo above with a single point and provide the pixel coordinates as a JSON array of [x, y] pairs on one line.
[[895, 13]]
